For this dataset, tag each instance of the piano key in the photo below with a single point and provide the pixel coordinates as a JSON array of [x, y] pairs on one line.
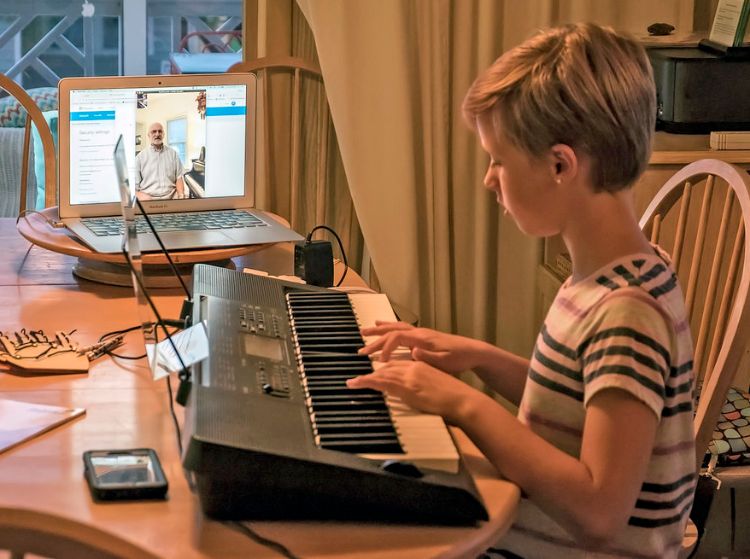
[[351, 420], [346, 405], [322, 415], [354, 426], [332, 380], [424, 437]]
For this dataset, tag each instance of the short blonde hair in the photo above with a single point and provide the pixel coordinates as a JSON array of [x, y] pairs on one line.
[[582, 85]]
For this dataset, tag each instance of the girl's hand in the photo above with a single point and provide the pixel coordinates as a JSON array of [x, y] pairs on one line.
[[421, 387], [447, 352]]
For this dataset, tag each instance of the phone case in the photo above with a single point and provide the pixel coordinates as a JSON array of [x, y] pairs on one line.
[[130, 490]]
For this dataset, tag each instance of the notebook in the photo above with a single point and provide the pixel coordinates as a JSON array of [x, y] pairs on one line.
[[196, 177]]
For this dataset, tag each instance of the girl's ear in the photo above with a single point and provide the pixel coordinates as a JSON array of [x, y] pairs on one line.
[[564, 163]]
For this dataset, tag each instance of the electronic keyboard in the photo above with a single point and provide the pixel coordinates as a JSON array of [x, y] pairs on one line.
[[272, 431]]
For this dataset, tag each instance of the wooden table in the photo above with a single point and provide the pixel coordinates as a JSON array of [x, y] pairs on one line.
[[41, 481], [110, 268]]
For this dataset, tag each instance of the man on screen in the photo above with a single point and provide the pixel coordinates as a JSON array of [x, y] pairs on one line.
[[158, 169]]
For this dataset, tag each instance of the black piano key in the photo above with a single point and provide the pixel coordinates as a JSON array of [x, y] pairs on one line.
[[353, 419], [344, 372], [328, 382], [313, 337], [319, 316], [350, 405], [333, 358], [327, 338], [349, 430], [315, 294], [324, 415], [330, 344], [308, 308], [343, 345], [385, 435], [312, 298], [326, 328], [354, 427], [356, 399], [339, 366], [341, 390], [338, 347]]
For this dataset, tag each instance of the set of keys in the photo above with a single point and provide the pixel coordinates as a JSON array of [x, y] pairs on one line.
[[36, 351]]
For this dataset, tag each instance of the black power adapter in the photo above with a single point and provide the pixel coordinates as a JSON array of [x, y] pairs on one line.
[[313, 262]]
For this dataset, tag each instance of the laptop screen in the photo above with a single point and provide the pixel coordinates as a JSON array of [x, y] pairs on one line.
[[189, 135], [189, 142]]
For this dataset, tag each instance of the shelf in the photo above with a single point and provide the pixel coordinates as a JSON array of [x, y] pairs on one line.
[[681, 149], [684, 157]]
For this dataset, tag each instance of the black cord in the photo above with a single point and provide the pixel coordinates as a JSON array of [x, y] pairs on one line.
[[168, 322], [256, 537], [341, 248], [164, 250], [174, 415], [183, 374], [117, 333], [114, 333]]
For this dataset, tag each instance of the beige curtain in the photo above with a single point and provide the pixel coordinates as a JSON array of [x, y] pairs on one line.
[[319, 193], [395, 73]]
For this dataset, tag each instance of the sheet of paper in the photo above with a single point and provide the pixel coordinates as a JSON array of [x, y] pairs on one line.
[[20, 421], [191, 343]]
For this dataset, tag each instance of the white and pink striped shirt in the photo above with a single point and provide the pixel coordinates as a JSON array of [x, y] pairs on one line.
[[623, 327]]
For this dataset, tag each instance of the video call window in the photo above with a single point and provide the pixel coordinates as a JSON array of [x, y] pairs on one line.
[[170, 131], [187, 143]]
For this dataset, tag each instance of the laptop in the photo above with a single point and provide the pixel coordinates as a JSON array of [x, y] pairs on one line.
[[190, 155]]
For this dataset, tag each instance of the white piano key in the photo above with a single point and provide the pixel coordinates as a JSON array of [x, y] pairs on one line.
[[425, 438]]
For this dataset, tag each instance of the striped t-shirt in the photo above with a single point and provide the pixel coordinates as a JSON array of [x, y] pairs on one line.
[[624, 326]]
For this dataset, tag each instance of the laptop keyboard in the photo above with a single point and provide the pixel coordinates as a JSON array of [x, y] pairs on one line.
[[193, 221]]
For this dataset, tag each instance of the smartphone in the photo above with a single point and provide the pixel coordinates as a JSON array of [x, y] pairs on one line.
[[128, 474]]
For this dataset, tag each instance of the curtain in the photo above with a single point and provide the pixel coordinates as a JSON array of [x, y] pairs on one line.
[[317, 193], [395, 74]]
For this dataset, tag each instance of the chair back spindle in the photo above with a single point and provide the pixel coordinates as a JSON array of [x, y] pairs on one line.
[[716, 285]]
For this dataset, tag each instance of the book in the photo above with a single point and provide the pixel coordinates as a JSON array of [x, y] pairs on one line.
[[719, 140], [729, 23], [21, 421]]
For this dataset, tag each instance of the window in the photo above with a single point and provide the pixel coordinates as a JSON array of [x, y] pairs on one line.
[[177, 136], [110, 37]]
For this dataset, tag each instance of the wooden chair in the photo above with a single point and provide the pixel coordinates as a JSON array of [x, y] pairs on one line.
[[41, 534], [280, 134], [48, 145], [700, 217]]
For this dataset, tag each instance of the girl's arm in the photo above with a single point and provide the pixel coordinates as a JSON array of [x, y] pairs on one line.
[[591, 496]]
